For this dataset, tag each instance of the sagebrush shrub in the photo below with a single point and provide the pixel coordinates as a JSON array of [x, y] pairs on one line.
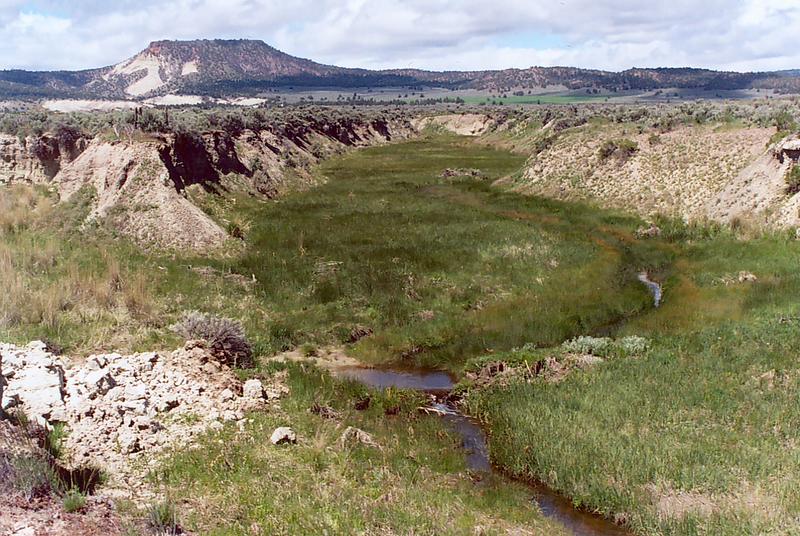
[[621, 148], [634, 345], [599, 346], [225, 337], [27, 474]]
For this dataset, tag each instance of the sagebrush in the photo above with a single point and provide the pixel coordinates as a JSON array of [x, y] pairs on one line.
[[225, 337]]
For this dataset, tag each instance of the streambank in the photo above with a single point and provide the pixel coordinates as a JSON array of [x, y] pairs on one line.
[[437, 385]]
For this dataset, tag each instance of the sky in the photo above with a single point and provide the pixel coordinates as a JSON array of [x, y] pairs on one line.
[[743, 35]]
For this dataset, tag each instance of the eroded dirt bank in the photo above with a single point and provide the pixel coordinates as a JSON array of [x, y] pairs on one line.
[[142, 182]]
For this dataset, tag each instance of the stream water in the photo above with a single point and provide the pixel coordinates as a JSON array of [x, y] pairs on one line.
[[476, 450], [655, 288], [473, 438]]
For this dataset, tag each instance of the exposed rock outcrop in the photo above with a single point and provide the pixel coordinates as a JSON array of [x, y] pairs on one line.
[[677, 176], [34, 159], [120, 411], [759, 193], [135, 188]]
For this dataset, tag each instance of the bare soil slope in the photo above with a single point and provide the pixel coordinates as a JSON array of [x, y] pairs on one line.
[[693, 172], [134, 186]]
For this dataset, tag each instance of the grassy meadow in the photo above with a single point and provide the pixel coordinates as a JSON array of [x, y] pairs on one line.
[[440, 269], [698, 435]]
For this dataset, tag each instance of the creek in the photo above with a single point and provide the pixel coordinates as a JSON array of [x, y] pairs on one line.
[[437, 385]]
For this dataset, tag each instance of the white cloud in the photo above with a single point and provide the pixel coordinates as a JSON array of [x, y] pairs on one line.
[[438, 34]]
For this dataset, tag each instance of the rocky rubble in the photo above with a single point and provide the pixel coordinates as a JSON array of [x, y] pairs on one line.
[[121, 410]]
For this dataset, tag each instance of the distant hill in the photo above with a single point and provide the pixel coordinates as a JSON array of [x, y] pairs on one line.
[[242, 67]]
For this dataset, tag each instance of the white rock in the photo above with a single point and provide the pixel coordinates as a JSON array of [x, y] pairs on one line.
[[167, 403], [100, 382], [23, 531], [284, 434], [270, 393], [142, 423], [97, 362], [227, 395], [128, 441], [354, 435], [40, 391], [253, 389], [115, 394], [747, 277], [138, 407], [587, 361], [135, 391]]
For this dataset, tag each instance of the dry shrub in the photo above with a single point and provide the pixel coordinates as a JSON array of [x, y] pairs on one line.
[[225, 337], [25, 468], [21, 206], [136, 295]]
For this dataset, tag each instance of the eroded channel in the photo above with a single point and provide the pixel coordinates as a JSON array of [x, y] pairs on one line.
[[474, 443]]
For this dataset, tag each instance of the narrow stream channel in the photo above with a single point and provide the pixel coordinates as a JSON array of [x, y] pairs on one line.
[[655, 288], [473, 438], [476, 449]]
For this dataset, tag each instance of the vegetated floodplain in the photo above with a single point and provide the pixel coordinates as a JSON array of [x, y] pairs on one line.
[[545, 98], [440, 268], [697, 435]]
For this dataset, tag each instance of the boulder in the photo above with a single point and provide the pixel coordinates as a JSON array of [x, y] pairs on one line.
[[586, 361], [40, 391], [326, 412], [747, 277], [282, 435], [253, 389]]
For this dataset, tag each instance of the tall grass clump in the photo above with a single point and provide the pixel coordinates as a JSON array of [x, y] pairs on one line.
[[162, 518], [73, 501]]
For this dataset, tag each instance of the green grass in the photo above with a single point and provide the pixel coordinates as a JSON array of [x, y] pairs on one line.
[[709, 411], [534, 99], [73, 501], [386, 240], [440, 269], [84, 289], [416, 483]]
